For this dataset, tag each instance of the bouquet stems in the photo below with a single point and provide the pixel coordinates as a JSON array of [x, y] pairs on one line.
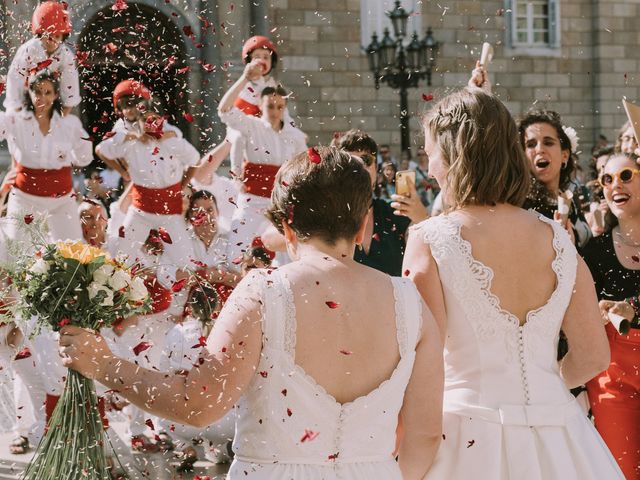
[[73, 446]]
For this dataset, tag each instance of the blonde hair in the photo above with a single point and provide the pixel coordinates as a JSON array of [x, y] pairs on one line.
[[479, 141]]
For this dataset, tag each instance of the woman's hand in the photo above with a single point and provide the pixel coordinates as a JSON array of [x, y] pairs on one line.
[[410, 206], [568, 226], [623, 309], [8, 181], [480, 78], [84, 351]]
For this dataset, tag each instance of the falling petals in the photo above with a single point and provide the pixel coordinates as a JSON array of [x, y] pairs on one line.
[[22, 354], [264, 374], [149, 423], [289, 412], [63, 322], [179, 285], [308, 435], [427, 97], [119, 5], [314, 156], [332, 305], [121, 231], [28, 219], [188, 117], [164, 235], [346, 352], [141, 347]]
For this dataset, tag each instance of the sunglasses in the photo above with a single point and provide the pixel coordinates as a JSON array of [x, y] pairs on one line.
[[625, 176]]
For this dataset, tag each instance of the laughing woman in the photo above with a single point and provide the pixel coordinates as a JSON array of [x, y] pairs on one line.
[[613, 259], [549, 150]]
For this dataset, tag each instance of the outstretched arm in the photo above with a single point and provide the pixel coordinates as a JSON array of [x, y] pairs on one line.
[[211, 161], [214, 384], [251, 72]]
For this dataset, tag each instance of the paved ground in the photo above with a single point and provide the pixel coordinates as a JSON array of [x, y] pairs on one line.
[[139, 466]]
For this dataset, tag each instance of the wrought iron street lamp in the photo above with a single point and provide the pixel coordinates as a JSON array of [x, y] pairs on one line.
[[402, 66]]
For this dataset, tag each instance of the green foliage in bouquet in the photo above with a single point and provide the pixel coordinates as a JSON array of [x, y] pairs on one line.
[[71, 283]]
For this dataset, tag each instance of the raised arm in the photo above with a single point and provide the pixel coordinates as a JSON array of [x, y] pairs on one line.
[[252, 71], [222, 373], [588, 345], [211, 161], [421, 412], [420, 266]]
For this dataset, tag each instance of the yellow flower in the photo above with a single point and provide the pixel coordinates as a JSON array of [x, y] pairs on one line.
[[80, 251]]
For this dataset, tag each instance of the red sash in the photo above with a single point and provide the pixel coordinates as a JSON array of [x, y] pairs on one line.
[[258, 178], [163, 201], [44, 182], [52, 400], [247, 108], [160, 297]]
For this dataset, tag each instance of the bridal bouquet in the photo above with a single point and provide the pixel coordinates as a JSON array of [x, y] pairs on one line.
[[71, 283]]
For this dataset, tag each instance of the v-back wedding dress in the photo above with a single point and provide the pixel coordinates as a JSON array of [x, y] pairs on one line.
[[508, 413], [289, 427]]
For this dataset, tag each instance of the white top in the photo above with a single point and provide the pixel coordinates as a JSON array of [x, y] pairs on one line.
[[262, 144], [28, 56], [155, 164], [356, 439], [214, 256], [66, 143], [501, 377]]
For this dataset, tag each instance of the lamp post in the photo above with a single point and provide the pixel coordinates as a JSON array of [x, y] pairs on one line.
[[401, 66]]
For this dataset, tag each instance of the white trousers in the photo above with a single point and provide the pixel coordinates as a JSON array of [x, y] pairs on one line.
[[60, 214]]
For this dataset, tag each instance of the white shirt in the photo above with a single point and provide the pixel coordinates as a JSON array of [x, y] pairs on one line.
[[263, 144], [27, 58], [66, 144], [251, 93], [155, 164], [214, 256]]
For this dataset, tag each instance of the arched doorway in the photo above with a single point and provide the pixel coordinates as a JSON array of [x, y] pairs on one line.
[[141, 43]]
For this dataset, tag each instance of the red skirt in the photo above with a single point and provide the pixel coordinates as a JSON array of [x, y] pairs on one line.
[[615, 401]]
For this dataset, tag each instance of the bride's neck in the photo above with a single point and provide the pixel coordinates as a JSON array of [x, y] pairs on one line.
[[342, 250]]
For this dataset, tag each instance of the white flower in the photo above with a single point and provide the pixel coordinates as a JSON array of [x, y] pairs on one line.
[[95, 288], [102, 274], [40, 266], [138, 290], [119, 280], [573, 138]]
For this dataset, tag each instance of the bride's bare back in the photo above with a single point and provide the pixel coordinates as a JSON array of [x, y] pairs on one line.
[[346, 325], [518, 247]]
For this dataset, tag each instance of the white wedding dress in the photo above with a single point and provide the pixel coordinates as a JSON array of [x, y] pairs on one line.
[[508, 413], [283, 404]]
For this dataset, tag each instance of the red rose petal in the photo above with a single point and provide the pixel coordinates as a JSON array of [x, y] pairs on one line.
[[308, 435], [407, 272], [635, 258], [164, 235], [314, 156], [346, 352], [188, 117], [289, 412], [121, 232], [179, 285], [149, 423], [427, 98], [264, 374], [202, 342], [22, 354], [119, 5], [63, 322], [141, 347], [156, 151], [28, 219], [284, 392], [375, 237], [331, 304]]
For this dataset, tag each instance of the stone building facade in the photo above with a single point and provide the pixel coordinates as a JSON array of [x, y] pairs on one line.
[[585, 60]]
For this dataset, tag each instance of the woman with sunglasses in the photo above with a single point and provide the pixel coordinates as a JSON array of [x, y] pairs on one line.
[[614, 261]]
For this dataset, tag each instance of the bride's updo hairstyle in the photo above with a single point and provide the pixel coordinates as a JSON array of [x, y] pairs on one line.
[[479, 142], [323, 193]]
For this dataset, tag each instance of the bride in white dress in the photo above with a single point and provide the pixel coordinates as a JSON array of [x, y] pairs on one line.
[[502, 282], [321, 356]]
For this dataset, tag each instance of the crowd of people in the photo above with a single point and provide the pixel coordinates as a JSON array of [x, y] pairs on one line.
[[272, 302]]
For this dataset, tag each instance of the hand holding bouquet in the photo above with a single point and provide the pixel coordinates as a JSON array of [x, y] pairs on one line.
[[72, 283]]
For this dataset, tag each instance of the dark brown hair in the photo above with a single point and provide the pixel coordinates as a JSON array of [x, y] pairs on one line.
[[479, 141], [328, 199], [553, 119], [277, 90], [355, 140], [44, 76]]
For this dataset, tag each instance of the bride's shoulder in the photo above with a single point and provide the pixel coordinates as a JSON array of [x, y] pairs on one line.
[[433, 228]]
